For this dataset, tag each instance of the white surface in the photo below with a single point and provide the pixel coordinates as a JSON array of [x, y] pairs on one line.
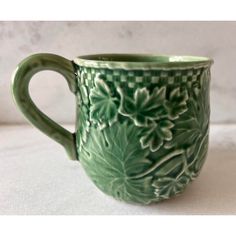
[[70, 39], [37, 178]]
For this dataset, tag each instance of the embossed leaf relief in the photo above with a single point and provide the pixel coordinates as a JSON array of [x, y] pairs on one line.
[[84, 123], [152, 111], [111, 158], [155, 134], [167, 186], [177, 103], [83, 127], [84, 94], [192, 129], [104, 105], [120, 167], [143, 107], [122, 158]]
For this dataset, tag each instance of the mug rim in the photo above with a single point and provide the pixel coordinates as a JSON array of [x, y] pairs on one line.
[[143, 61]]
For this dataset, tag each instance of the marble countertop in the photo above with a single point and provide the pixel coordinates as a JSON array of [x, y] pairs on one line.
[[37, 178]]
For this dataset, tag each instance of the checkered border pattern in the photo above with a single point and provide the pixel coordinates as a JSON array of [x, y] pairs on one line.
[[137, 78]]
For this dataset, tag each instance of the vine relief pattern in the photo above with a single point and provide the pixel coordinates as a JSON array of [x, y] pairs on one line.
[[142, 137]]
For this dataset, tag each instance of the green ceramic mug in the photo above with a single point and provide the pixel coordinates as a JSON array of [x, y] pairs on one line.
[[142, 120]]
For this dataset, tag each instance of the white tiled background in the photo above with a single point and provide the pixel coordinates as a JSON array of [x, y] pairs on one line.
[[70, 39]]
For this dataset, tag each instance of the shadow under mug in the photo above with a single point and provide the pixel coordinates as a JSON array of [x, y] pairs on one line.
[[142, 120]]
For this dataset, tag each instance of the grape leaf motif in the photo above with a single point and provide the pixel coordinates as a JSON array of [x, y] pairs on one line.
[[154, 112], [104, 106], [155, 135], [154, 139], [191, 131], [110, 157], [168, 186], [177, 103], [143, 107]]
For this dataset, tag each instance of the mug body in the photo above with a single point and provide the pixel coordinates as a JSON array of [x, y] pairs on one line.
[[142, 123]]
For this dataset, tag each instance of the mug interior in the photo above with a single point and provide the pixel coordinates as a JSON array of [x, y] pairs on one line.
[[141, 60]]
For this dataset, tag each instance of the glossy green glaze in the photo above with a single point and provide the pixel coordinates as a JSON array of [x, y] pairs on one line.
[[142, 120], [21, 78]]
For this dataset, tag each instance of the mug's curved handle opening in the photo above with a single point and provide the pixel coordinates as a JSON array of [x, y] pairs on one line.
[[20, 90]]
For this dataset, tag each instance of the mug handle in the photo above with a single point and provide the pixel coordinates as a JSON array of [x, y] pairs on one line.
[[20, 90]]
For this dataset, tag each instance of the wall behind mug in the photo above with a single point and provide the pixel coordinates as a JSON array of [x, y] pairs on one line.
[[70, 39]]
